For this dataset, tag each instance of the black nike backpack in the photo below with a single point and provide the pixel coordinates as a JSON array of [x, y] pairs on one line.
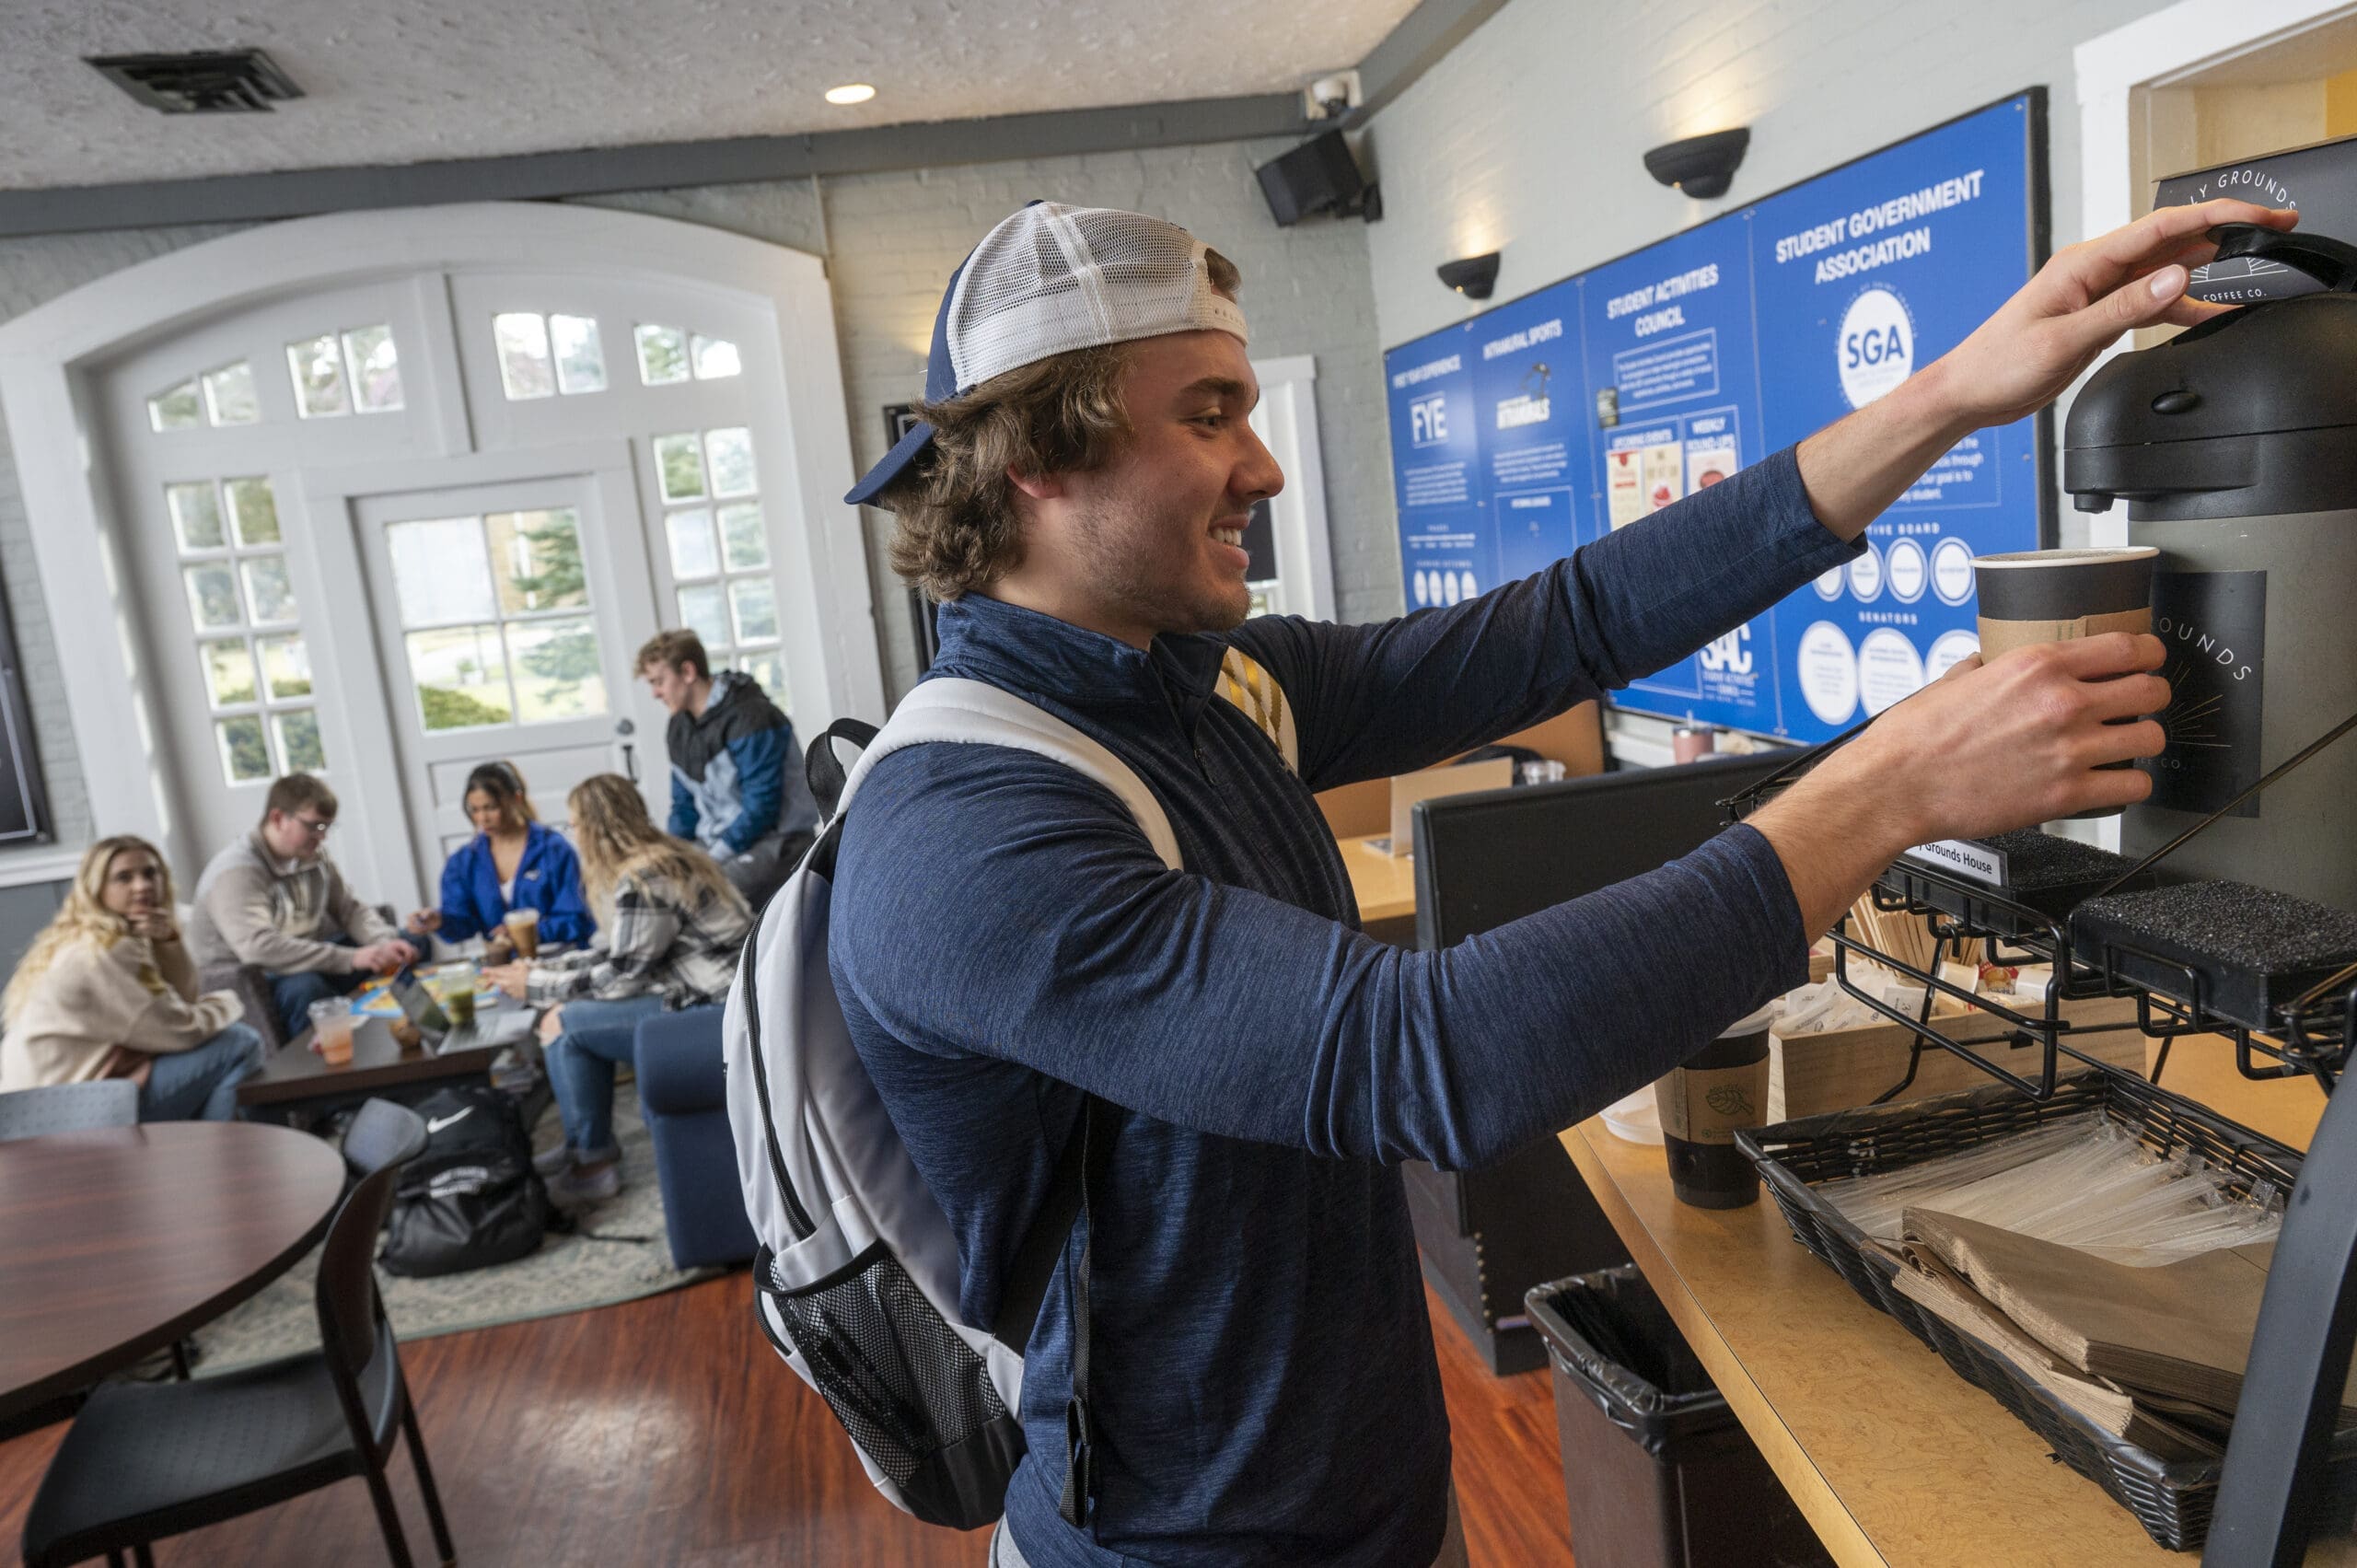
[[473, 1198]]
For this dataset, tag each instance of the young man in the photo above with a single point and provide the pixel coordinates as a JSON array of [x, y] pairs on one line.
[[1261, 1385], [737, 780], [275, 899]]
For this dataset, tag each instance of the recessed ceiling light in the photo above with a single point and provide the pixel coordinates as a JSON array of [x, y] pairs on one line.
[[851, 92]]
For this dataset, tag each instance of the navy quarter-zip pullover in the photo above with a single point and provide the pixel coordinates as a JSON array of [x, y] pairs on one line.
[[1263, 1385]]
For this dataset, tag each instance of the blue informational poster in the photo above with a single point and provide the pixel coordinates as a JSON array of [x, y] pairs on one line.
[[1544, 423]]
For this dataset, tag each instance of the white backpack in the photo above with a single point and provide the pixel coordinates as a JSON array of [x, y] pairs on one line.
[[856, 1280]]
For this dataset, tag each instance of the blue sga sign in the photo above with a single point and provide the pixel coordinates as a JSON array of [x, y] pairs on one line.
[[1591, 404]]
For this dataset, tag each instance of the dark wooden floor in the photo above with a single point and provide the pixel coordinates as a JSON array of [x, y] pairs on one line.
[[666, 1432]]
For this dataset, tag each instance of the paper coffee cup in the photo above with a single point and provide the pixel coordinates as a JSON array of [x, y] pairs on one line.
[[2058, 596]]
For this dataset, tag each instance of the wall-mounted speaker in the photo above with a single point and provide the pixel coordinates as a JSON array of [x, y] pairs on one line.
[[1320, 176]]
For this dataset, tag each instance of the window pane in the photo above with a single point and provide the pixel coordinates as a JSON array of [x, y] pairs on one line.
[[769, 669], [731, 452], [317, 372], [298, 741], [176, 409], [559, 674], [702, 611], [535, 559], [693, 554], [580, 357], [376, 367], [522, 340], [440, 573], [715, 357], [245, 756], [211, 596], [228, 672], [681, 467], [268, 593], [196, 515], [754, 601], [662, 355], [254, 508], [285, 665], [230, 395], [744, 542], [461, 673]]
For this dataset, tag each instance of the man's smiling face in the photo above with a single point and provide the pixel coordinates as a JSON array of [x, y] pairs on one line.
[[1154, 539]]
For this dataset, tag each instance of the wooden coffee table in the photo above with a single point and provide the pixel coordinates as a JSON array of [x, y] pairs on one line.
[[115, 1242], [296, 1086]]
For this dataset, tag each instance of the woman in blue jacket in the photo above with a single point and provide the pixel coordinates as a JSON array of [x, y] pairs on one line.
[[511, 862]]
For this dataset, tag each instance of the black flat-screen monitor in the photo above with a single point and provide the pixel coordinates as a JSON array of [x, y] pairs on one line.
[[1495, 855]]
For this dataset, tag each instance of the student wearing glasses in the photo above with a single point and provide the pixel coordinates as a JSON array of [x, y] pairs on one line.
[[274, 899]]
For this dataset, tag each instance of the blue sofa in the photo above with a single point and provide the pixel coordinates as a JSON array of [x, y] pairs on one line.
[[683, 1093]]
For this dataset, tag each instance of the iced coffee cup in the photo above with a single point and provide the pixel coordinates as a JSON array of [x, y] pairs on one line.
[[332, 1024], [523, 932]]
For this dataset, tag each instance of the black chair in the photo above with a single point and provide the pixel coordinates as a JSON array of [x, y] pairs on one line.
[[382, 1134], [143, 1462], [68, 1108]]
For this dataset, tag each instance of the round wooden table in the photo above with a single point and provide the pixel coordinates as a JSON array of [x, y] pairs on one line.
[[116, 1242]]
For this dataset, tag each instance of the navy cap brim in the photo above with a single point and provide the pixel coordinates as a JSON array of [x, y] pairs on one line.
[[897, 461]]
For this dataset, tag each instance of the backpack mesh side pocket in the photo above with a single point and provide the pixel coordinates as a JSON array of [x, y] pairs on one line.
[[915, 1397]]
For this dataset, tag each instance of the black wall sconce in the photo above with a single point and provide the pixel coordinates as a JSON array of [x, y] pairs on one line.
[[1702, 166], [1472, 276]]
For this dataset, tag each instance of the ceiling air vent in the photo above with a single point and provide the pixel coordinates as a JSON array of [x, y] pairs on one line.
[[215, 81]]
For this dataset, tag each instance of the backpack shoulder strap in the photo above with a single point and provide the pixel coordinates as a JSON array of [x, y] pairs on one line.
[[1254, 692], [972, 713]]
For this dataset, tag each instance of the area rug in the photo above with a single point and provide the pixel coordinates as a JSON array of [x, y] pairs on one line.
[[618, 1254]]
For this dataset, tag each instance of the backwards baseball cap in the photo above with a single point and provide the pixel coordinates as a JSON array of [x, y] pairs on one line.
[[1048, 280]]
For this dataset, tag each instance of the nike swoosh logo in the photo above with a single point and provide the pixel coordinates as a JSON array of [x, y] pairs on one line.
[[441, 1122]]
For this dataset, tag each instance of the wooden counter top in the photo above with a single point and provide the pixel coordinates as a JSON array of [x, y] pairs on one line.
[[1895, 1461], [1385, 883]]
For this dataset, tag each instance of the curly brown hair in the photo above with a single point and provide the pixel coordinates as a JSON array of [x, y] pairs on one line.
[[957, 529]]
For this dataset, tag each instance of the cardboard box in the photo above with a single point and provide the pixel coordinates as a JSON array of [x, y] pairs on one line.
[[1812, 1074]]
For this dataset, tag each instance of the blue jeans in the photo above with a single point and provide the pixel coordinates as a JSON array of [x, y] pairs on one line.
[[201, 1084], [581, 1067], [293, 994]]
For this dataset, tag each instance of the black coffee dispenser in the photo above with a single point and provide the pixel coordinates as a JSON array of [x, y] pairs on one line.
[[2235, 445]]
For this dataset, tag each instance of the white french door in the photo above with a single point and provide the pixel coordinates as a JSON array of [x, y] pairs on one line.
[[506, 618]]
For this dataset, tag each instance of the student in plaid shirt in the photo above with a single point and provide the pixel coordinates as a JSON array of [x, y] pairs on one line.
[[671, 925]]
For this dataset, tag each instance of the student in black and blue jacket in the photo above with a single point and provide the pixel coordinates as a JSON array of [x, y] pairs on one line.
[[513, 862], [738, 790]]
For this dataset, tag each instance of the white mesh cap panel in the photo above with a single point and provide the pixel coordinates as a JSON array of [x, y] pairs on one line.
[[1053, 278]]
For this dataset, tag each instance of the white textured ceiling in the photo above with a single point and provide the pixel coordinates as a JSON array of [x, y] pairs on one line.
[[398, 81]]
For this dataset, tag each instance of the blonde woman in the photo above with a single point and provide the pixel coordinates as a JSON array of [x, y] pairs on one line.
[[671, 925], [107, 991]]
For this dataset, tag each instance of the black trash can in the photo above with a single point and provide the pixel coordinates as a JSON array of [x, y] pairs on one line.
[[1659, 1472]]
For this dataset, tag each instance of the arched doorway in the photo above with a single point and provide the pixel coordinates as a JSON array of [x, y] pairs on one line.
[[384, 495]]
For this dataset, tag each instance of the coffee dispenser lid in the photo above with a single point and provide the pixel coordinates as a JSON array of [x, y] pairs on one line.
[[2246, 414]]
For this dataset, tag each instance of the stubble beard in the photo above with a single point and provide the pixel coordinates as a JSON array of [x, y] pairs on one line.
[[1115, 579]]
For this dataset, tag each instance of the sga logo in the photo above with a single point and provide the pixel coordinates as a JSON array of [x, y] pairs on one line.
[[1875, 348]]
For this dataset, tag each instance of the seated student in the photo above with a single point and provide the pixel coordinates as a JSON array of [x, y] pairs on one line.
[[274, 899], [737, 782], [107, 991], [670, 925], [511, 862]]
